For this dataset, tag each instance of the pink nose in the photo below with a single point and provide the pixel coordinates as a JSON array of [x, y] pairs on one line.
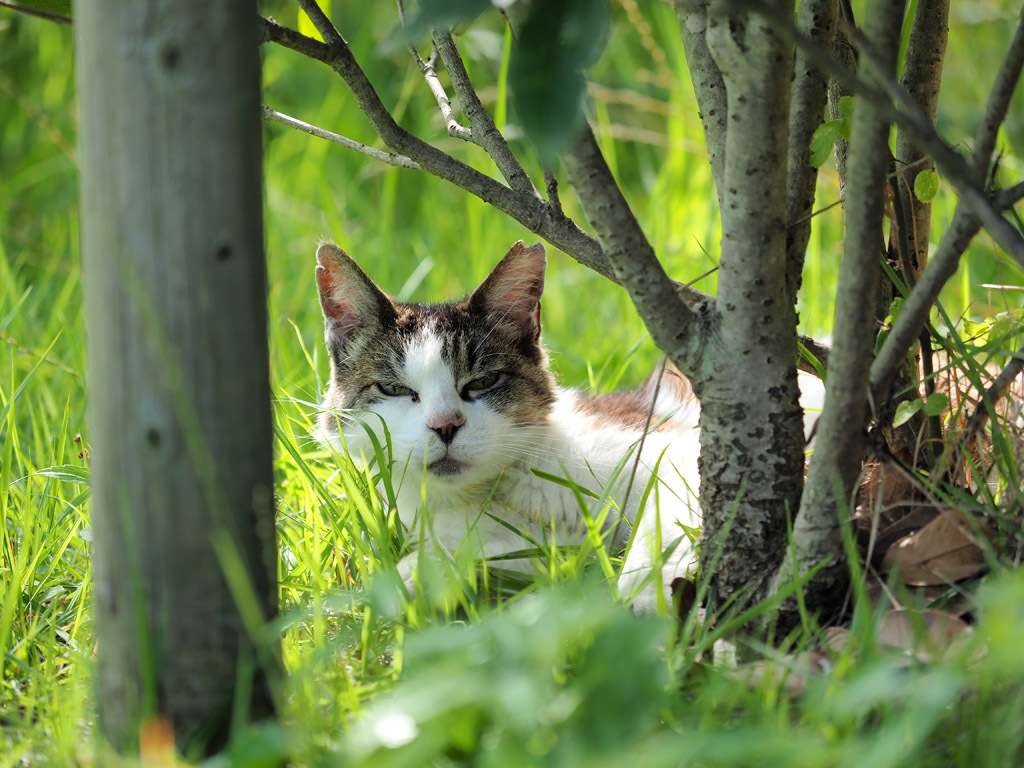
[[446, 424]]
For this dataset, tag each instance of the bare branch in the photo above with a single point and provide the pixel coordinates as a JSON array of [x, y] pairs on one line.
[[707, 81], [487, 134], [670, 323], [390, 158], [323, 24], [39, 14], [528, 210], [998, 102], [551, 185], [954, 168], [455, 129], [964, 227], [428, 68], [817, 19], [908, 117], [272, 32], [922, 78], [1008, 197]]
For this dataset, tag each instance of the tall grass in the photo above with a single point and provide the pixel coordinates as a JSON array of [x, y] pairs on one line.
[[470, 673]]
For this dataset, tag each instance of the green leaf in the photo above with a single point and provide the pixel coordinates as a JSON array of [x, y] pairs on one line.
[[926, 185], [444, 14], [62, 7], [936, 404], [906, 410], [564, 483], [557, 41], [822, 142], [846, 114], [66, 473], [894, 310]]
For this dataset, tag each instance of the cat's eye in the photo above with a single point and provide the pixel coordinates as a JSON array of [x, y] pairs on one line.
[[395, 390], [484, 382]]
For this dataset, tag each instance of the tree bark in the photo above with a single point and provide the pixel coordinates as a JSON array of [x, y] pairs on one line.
[[816, 19], [707, 83], [751, 424], [175, 301], [841, 435], [922, 77]]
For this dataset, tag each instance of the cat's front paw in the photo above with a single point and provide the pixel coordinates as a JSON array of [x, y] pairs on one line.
[[642, 597], [407, 569]]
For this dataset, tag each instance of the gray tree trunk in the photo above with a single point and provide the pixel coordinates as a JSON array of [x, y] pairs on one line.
[[179, 408], [751, 437]]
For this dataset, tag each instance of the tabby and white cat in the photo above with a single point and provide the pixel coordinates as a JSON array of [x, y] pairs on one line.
[[472, 407]]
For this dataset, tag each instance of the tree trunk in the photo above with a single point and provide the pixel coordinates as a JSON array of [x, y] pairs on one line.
[[175, 297], [841, 438], [751, 459]]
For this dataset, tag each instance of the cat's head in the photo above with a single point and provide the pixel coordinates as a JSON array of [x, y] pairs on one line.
[[461, 386]]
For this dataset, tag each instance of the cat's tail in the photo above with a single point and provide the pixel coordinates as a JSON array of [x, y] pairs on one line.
[[676, 404]]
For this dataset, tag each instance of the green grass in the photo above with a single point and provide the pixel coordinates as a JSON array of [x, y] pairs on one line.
[[467, 673]]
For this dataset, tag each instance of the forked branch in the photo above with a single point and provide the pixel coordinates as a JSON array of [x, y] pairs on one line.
[[908, 117], [964, 227]]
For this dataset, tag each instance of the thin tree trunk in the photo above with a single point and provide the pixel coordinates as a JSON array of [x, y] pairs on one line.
[[178, 365], [751, 426], [922, 77], [839, 451]]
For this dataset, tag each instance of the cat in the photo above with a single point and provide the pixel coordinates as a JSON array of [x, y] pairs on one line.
[[472, 408]]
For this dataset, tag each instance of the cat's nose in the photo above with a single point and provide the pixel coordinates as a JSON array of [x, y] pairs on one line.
[[446, 424]]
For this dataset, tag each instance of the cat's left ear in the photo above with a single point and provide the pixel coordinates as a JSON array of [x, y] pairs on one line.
[[511, 293]]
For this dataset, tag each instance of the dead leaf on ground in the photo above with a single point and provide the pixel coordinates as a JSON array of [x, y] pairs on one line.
[[945, 550], [924, 634], [836, 638]]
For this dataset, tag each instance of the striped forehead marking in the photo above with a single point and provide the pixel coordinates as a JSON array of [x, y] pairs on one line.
[[427, 360]]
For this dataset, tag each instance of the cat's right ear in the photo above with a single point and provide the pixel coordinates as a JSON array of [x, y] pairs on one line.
[[349, 299]]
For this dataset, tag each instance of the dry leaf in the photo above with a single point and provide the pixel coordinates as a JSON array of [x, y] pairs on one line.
[[943, 551], [925, 634], [836, 638]]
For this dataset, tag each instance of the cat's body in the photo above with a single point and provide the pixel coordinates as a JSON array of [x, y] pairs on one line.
[[472, 410]]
